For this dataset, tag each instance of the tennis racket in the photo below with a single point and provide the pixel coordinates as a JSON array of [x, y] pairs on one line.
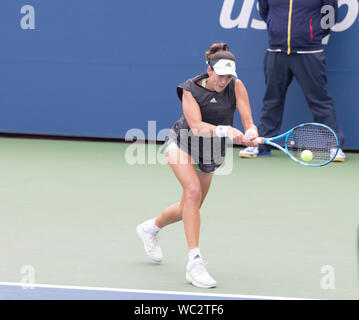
[[310, 144]]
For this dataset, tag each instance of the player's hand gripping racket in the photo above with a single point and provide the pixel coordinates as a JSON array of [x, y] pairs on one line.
[[311, 144]]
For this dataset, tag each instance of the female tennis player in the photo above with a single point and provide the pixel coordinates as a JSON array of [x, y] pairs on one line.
[[195, 148]]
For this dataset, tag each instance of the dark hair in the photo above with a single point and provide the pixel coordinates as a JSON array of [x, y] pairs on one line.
[[219, 51]]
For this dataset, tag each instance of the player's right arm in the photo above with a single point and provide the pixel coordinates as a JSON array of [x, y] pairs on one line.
[[192, 113]]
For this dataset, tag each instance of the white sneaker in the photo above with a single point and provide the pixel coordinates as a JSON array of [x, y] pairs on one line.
[[340, 157], [151, 243], [253, 152], [198, 275]]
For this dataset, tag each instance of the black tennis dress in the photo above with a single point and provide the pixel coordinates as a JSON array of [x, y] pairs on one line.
[[216, 108]]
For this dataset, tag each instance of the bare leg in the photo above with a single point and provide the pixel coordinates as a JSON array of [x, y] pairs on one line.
[[173, 213], [195, 188]]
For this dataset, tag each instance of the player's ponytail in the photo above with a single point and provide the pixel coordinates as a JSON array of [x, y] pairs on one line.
[[219, 51]]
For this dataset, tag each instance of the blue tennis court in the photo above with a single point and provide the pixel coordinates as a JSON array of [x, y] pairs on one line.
[[18, 291]]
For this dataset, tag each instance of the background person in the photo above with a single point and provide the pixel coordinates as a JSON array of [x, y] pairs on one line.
[[295, 49]]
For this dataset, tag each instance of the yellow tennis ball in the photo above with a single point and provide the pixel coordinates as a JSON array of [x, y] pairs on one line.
[[307, 155]]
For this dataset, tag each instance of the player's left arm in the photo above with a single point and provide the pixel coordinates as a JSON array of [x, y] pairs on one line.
[[244, 109]]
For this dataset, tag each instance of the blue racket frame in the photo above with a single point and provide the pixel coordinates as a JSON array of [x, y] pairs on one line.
[[268, 141]]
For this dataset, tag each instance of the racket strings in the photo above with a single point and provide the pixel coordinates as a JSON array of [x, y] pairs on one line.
[[320, 141]]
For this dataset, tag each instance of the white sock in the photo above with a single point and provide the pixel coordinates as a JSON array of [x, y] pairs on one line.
[[194, 254], [151, 227]]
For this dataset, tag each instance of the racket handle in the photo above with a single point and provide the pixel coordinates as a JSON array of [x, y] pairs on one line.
[[260, 140]]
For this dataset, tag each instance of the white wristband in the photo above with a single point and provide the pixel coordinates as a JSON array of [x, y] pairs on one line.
[[222, 131], [251, 133]]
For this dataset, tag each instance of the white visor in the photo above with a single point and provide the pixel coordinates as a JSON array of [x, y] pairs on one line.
[[225, 66]]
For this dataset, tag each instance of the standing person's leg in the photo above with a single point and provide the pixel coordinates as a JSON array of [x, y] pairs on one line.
[[310, 71], [277, 78]]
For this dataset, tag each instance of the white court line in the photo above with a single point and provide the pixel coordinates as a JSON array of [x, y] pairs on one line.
[[48, 286]]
